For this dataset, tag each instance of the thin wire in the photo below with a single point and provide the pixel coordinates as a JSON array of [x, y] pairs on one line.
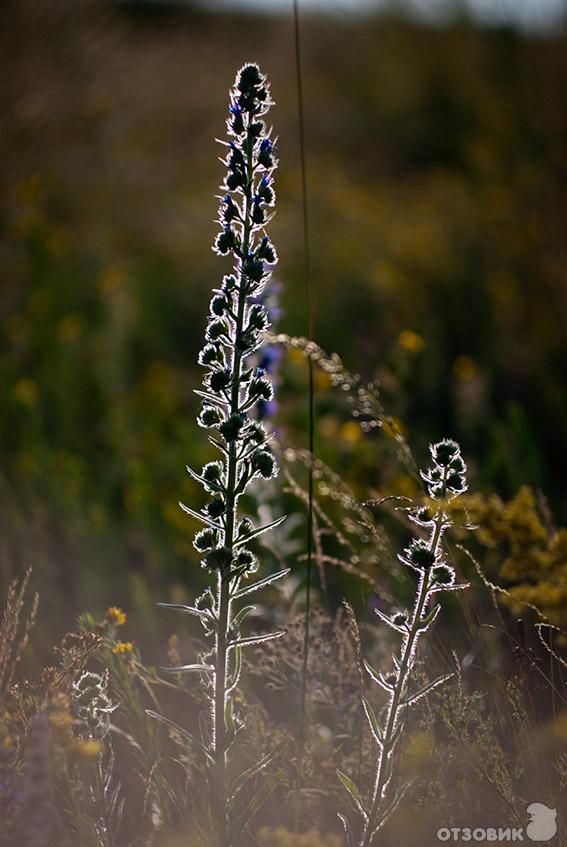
[[311, 328]]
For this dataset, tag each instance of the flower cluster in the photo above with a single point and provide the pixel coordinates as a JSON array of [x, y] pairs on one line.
[[91, 704], [122, 648], [115, 616], [445, 479], [238, 317]]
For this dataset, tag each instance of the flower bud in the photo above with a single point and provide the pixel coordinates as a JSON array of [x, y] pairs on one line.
[[211, 354], [206, 539], [265, 154], [225, 241], [210, 416], [253, 269], [443, 575], [266, 251], [245, 527], [400, 618], [230, 429], [236, 124], [219, 380], [248, 78], [258, 317], [216, 329], [246, 559], [216, 506], [219, 558], [212, 472], [219, 305], [444, 451], [419, 555], [263, 462]]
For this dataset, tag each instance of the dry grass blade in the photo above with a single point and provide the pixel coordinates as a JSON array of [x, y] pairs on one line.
[[14, 631], [367, 547], [354, 633], [363, 397]]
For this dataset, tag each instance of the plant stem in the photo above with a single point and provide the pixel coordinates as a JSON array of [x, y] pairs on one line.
[[393, 712], [311, 390], [224, 576], [395, 707]]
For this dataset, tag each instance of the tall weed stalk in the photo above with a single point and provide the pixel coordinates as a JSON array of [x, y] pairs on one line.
[[232, 388], [444, 480]]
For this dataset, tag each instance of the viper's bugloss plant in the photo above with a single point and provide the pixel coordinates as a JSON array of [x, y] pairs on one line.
[[233, 387], [444, 480], [101, 807], [91, 705]]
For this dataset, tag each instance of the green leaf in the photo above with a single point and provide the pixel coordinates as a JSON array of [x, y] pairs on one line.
[[237, 670], [241, 614], [218, 444], [242, 592], [212, 398], [204, 730], [256, 639], [351, 788], [228, 716], [185, 668], [230, 724], [201, 517], [244, 777], [457, 587], [426, 689], [426, 622], [260, 531], [389, 745], [259, 799], [387, 620], [183, 732], [204, 614], [373, 721], [377, 677], [204, 482]]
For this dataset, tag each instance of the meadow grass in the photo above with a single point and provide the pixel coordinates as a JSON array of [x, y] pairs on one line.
[[242, 743]]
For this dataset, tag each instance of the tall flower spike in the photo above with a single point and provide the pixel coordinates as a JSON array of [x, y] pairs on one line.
[[444, 480], [234, 387]]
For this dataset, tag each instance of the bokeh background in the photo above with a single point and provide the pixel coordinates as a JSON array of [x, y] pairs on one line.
[[436, 169]]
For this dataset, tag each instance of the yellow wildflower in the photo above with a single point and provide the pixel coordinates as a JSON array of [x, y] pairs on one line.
[[283, 837], [351, 432], [88, 749], [69, 328], [533, 556], [465, 368], [116, 616], [112, 277], [322, 380], [411, 341], [123, 647], [26, 391]]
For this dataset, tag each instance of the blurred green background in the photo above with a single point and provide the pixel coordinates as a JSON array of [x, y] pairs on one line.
[[437, 170]]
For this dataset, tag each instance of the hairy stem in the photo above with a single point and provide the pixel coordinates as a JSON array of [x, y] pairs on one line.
[[393, 714], [224, 576], [408, 651]]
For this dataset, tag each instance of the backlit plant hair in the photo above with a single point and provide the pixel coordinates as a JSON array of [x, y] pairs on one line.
[[232, 388], [444, 480]]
